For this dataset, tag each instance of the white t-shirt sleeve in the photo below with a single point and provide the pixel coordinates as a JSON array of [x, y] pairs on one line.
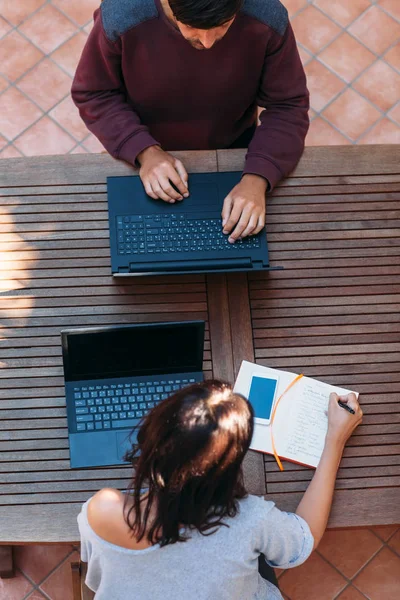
[[285, 539]]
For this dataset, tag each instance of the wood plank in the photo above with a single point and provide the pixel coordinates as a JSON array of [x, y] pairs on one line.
[[335, 161], [94, 168], [219, 323]]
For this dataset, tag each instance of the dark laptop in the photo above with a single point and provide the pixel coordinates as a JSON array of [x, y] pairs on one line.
[[154, 237], [115, 375]]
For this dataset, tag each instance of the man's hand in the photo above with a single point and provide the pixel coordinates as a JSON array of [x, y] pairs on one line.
[[244, 208], [157, 170]]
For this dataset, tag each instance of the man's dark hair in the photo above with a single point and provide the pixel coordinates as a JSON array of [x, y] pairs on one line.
[[205, 14], [188, 458]]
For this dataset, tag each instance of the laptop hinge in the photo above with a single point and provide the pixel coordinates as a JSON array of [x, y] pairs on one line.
[[187, 265]]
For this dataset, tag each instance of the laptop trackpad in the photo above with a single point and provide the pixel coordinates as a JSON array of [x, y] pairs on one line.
[[124, 439], [202, 194]]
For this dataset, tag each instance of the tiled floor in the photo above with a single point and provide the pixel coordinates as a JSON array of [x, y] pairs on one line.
[[348, 565], [351, 52], [350, 49]]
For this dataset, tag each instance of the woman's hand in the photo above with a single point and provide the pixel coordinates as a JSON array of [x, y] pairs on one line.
[[341, 423], [157, 170]]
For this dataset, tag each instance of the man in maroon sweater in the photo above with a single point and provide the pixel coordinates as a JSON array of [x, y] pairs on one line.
[[162, 75]]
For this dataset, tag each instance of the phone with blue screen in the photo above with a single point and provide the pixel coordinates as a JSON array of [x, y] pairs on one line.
[[262, 397]]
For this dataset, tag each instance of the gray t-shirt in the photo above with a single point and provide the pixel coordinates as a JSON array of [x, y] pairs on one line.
[[223, 565]]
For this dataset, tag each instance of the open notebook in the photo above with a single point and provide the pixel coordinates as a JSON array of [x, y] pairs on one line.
[[300, 422]]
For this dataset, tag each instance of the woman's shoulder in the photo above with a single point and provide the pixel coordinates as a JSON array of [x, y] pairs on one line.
[[105, 514]]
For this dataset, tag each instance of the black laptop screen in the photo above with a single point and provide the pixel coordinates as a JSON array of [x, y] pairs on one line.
[[133, 351]]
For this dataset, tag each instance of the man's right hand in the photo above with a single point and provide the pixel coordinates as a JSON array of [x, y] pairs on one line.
[[157, 170]]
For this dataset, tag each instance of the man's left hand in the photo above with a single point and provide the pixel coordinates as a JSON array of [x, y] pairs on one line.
[[243, 212]]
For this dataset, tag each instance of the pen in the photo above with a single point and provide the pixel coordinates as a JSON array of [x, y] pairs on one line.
[[346, 407]]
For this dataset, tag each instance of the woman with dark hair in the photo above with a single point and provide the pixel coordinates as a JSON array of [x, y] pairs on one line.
[[187, 529]]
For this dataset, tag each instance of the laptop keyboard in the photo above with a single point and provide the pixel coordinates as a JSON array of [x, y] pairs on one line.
[[116, 406], [159, 234]]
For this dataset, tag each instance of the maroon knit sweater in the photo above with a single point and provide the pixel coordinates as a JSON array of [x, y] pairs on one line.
[[139, 83]]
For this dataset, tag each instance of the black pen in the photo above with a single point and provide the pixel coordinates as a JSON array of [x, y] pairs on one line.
[[346, 407]]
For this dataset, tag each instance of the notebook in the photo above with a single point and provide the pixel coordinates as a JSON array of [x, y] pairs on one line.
[[300, 422]]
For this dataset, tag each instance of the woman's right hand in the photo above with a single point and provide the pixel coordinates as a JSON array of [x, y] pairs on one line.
[[341, 423]]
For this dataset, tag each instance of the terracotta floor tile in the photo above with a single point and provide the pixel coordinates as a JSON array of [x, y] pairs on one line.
[[322, 133], [68, 55], [352, 114], [304, 55], [88, 28], [349, 550], [78, 11], [16, 113], [392, 6], [381, 84], [395, 114], [314, 580], [78, 150], [4, 26], [347, 57], [376, 29], [46, 84], [93, 145], [394, 542], [3, 142], [17, 55], [48, 28], [351, 593], [385, 531], [45, 137], [393, 56], [15, 588], [10, 152], [381, 577], [59, 585], [343, 11], [294, 5], [16, 11], [37, 560], [313, 29], [3, 84], [36, 595], [323, 85], [67, 115], [384, 132]]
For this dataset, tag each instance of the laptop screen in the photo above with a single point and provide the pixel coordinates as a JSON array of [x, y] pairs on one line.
[[131, 351]]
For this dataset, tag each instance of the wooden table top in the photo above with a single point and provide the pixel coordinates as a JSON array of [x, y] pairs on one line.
[[332, 313]]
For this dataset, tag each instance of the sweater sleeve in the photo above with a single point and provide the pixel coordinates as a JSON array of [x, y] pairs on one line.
[[278, 142], [99, 93]]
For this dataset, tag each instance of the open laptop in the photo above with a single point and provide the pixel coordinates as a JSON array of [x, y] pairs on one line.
[[150, 237], [115, 375]]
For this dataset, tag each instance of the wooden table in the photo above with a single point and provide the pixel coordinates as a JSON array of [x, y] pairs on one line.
[[333, 313]]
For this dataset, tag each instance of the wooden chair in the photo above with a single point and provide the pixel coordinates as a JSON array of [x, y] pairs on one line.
[[80, 590]]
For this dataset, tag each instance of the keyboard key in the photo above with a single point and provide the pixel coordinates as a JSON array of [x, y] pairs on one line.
[[124, 423], [94, 395], [142, 405], [98, 425], [106, 425], [122, 415], [139, 398], [106, 417], [102, 409], [89, 426], [80, 403], [156, 397], [110, 393], [148, 397], [82, 411], [125, 406], [93, 410], [134, 406], [114, 416], [115, 400], [109, 409], [164, 396], [81, 426], [102, 394], [99, 401], [77, 395], [159, 388], [98, 417], [84, 418], [90, 402], [139, 414], [86, 395], [168, 388], [131, 414], [118, 392]]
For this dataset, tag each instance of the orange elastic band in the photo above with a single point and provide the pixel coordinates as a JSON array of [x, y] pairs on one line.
[[295, 380]]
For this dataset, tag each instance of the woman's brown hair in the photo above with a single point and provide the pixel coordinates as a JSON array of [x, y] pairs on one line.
[[188, 456]]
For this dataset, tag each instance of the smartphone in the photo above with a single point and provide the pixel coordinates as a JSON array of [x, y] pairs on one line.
[[262, 397]]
